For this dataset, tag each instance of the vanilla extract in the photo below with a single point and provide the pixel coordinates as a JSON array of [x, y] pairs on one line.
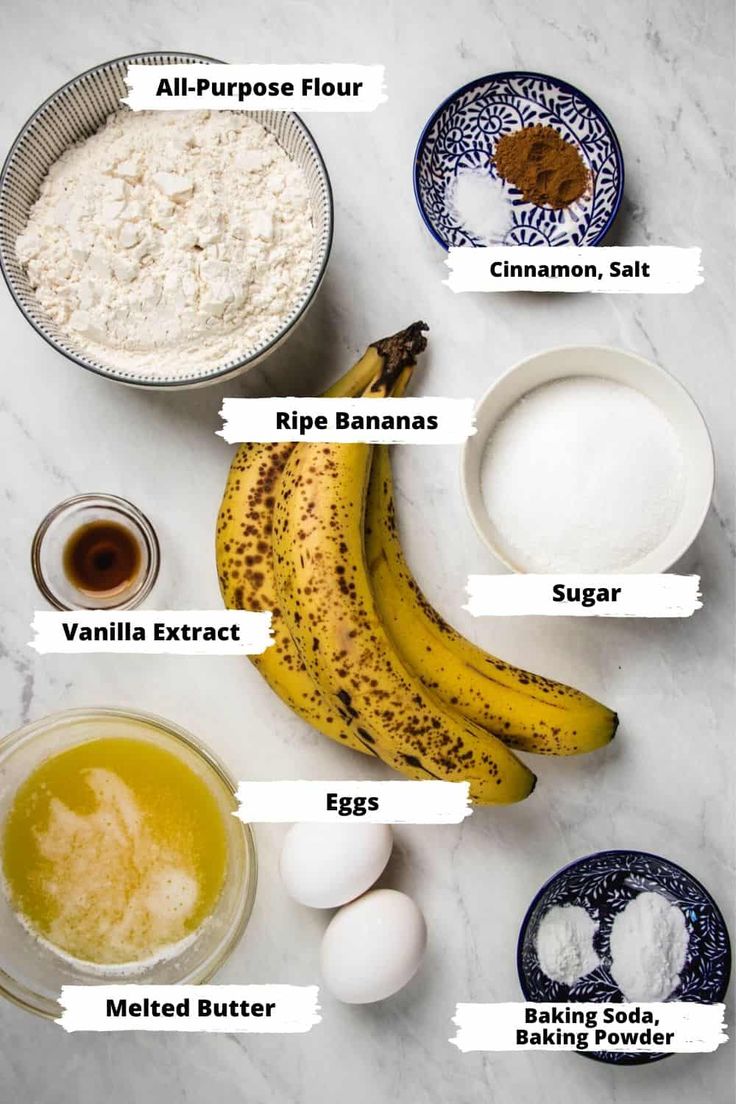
[[125, 631], [102, 558]]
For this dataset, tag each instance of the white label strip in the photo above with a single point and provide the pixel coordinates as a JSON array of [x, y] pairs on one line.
[[252, 1009], [407, 421], [334, 87], [153, 632], [675, 1026], [583, 595], [642, 270], [371, 802]]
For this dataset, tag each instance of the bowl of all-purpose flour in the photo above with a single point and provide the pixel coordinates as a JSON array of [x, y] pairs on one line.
[[623, 926], [589, 460], [162, 248]]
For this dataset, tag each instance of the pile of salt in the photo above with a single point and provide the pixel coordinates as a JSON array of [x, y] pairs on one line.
[[479, 203]]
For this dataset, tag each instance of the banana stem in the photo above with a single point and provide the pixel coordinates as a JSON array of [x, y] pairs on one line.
[[397, 352], [382, 363]]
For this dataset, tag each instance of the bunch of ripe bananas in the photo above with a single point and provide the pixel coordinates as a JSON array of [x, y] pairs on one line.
[[309, 531]]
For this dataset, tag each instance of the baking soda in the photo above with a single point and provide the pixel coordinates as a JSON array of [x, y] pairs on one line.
[[565, 944], [582, 474]]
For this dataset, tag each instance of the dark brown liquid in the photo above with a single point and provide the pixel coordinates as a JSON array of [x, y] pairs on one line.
[[101, 558]]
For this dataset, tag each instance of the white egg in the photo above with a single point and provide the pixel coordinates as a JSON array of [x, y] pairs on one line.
[[373, 947], [326, 865]]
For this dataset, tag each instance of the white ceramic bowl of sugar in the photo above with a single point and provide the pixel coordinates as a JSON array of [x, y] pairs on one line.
[[603, 363]]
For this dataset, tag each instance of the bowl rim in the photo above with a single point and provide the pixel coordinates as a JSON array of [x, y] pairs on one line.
[[635, 1058], [18, 994], [219, 374], [507, 74], [650, 366]]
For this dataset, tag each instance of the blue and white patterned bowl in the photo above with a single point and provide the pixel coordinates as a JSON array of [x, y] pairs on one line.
[[603, 884], [463, 132]]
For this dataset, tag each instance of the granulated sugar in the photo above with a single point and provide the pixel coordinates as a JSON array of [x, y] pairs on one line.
[[582, 474]]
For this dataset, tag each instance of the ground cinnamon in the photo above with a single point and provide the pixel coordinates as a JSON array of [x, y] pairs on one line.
[[547, 170]]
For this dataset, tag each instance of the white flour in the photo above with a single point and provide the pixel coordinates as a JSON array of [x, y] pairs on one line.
[[170, 242], [649, 942], [582, 474], [565, 944]]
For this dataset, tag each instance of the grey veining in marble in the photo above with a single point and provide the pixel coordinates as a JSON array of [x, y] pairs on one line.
[[663, 72]]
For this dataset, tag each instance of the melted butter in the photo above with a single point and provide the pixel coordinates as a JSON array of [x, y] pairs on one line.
[[114, 850]]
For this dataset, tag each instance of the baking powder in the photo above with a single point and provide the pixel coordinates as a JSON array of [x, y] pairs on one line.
[[649, 941]]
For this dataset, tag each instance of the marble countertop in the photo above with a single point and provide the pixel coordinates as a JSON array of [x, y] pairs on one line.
[[663, 74]]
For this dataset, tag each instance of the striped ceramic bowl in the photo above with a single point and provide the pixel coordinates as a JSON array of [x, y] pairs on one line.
[[75, 112]]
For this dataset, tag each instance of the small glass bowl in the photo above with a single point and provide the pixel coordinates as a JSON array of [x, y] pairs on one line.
[[47, 552], [31, 973]]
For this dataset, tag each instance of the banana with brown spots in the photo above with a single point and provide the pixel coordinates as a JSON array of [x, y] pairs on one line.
[[526, 711], [245, 568], [324, 592]]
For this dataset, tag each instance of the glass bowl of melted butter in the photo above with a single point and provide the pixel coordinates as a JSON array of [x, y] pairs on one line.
[[121, 860]]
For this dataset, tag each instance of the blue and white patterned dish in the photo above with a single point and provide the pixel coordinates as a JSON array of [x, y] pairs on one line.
[[603, 884], [463, 132]]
